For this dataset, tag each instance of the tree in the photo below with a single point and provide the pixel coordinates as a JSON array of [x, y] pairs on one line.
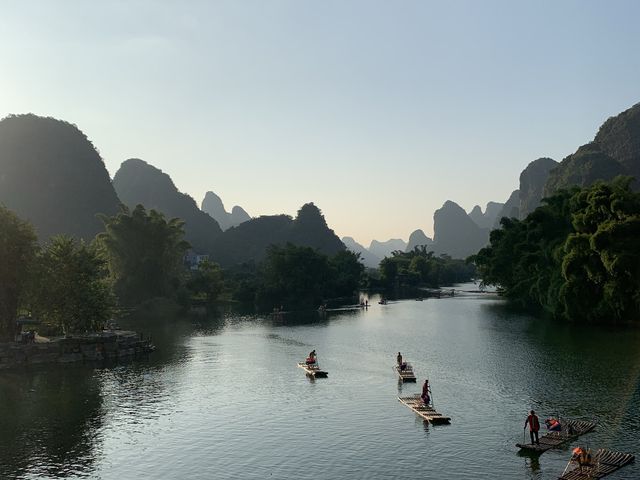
[[421, 267], [70, 288], [144, 253], [206, 281], [347, 273], [577, 256], [17, 252], [293, 275]]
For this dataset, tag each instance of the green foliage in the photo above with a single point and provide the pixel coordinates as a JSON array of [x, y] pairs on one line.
[[137, 182], [420, 267], [293, 275], [206, 282], [577, 256], [299, 276], [69, 288], [144, 254], [17, 252]]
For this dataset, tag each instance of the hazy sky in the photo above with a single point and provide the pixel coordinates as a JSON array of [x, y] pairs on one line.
[[377, 111]]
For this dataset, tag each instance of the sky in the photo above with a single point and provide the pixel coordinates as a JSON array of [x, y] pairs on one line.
[[376, 111]]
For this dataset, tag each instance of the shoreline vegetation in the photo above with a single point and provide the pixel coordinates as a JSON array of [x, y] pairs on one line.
[[576, 257], [73, 287]]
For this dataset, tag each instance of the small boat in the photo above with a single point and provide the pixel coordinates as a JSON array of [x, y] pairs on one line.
[[601, 464], [406, 374], [571, 429], [427, 412], [313, 370], [382, 302]]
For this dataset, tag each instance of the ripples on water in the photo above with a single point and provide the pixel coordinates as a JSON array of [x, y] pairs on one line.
[[223, 398]]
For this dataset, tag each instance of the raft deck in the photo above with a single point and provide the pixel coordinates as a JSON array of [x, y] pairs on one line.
[[556, 439], [313, 370], [407, 374], [604, 463], [427, 412]]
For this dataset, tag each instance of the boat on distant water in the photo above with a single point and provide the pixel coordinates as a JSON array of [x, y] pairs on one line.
[[313, 370], [427, 412], [571, 429], [405, 372], [583, 466]]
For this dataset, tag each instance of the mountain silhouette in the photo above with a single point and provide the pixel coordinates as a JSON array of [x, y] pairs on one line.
[[367, 258], [212, 204], [137, 182], [248, 241], [455, 233], [52, 176], [418, 238]]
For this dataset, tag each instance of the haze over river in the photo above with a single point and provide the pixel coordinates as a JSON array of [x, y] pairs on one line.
[[222, 397]]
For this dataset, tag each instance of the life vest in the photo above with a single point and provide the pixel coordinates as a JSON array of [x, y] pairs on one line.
[[534, 424]]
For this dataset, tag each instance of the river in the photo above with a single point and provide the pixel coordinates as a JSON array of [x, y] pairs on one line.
[[222, 397]]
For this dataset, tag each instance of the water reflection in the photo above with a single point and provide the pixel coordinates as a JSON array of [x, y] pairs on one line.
[[222, 393], [48, 421]]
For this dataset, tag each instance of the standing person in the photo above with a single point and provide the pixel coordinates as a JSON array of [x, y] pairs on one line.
[[425, 392], [534, 426], [399, 359]]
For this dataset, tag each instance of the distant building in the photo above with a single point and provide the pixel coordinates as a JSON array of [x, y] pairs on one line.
[[192, 259]]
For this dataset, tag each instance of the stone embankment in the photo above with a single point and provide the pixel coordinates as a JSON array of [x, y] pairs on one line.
[[93, 347]]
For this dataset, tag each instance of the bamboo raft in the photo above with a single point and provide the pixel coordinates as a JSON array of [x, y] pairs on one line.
[[313, 370], [604, 463], [427, 412], [556, 439], [407, 374]]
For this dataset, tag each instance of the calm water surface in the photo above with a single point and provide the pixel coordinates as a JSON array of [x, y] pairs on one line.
[[222, 398]]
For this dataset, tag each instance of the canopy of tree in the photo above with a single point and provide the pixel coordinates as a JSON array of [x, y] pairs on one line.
[[576, 257], [295, 275], [145, 254], [420, 267], [17, 252], [139, 183], [52, 176], [69, 287]]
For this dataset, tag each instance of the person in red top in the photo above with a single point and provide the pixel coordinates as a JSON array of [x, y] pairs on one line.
[[534, 426]]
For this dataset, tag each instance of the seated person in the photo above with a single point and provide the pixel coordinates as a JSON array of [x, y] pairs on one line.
[[553, 425], [311, 359]]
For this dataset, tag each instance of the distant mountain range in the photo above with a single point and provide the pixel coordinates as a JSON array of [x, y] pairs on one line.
[[53, 176], [614, 151], [137, 182], [212, 204]]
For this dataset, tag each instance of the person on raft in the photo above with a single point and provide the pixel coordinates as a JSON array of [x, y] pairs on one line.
[[534, 426], [582, 456], [425, 392], [553, 425], [401, 365], [311, 359]]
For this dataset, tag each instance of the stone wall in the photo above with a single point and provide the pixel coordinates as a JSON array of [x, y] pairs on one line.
[[94, 347]]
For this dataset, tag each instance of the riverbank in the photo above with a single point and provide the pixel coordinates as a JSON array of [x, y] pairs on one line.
[[93, 347]]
